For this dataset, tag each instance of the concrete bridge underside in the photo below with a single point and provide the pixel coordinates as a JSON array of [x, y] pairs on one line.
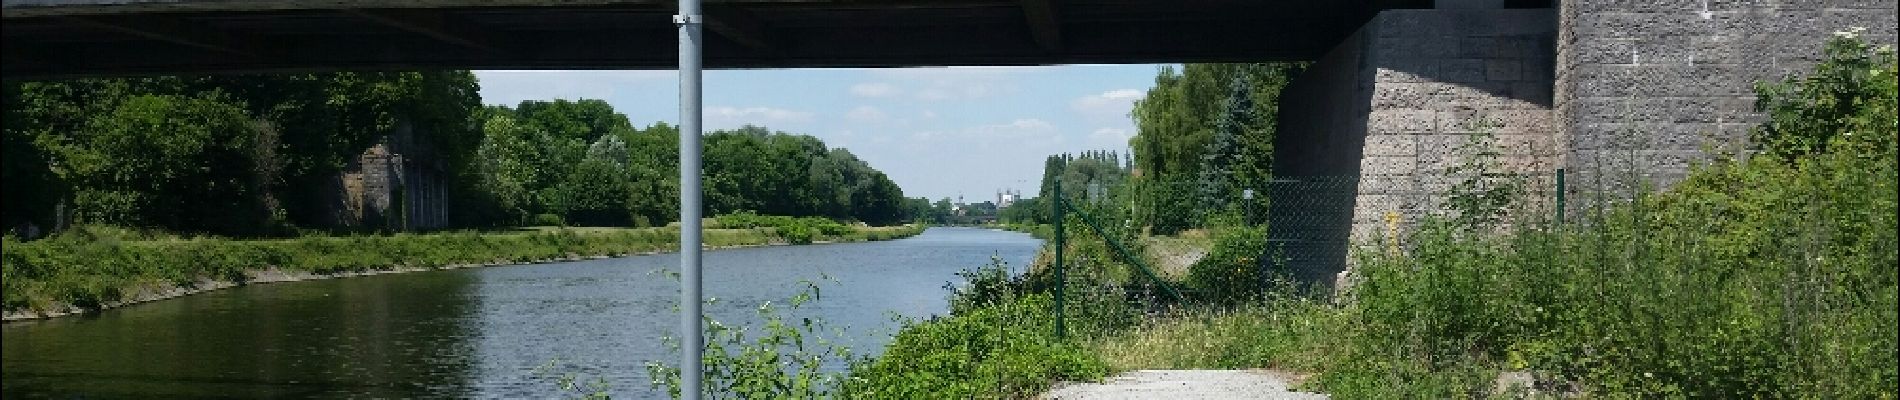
[[107, 37]]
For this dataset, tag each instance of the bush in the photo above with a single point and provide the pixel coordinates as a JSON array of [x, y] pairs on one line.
[[1763, 277], [1004, 349], [1232, 271], [786, 359], [547, 220], [797, 232]]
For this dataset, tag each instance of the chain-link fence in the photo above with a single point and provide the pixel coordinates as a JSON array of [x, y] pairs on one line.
[[1310, 223]]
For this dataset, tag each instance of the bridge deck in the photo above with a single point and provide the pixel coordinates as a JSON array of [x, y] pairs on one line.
[[51, 38]]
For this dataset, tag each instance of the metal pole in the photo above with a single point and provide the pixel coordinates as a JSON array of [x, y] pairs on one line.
[[1560, 196], [1062, 284], [692, 338]]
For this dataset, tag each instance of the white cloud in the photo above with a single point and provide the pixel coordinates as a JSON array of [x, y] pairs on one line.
[[511, 87], [724, 117], [867, 114], [1110, 134], [1021, 133], [956, 83], [1114, 102], [874, 90], [1025, 125]]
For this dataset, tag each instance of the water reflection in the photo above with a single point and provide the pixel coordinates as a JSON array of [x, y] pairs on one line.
[[474, 333], [388, 336]]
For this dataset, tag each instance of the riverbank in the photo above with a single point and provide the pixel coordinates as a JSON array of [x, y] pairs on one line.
[[93, 269]]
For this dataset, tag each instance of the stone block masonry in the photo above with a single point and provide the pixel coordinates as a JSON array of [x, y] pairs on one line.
[[1646, 88], [397, 184], [1391, 106], [1602, 88]]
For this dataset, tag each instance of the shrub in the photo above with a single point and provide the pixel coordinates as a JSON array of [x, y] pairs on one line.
[[1762, 277], [547, 220], [786, 359], [1002, 350], [1850, 93], [797, 232], [1231, 272]]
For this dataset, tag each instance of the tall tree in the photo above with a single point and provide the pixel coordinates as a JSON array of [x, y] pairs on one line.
[[1178, 124]]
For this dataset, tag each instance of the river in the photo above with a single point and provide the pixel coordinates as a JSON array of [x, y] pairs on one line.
[[480, 333]]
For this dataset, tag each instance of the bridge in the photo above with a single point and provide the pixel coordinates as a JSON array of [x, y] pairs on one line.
[[1394, 84], [55, 38]]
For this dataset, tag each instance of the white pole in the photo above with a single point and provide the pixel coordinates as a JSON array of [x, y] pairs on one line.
[[691, 335]]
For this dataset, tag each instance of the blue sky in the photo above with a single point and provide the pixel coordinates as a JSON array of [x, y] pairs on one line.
[[938, 132]]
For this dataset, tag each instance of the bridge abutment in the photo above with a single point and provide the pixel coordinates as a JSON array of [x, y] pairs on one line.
[[1647, 89], [1391, 106], [1598, 87]]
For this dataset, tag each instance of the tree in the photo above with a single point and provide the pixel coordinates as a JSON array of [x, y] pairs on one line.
[[1178, 124], [1227, 167], [586, 120], [195, 176], [880, 202]]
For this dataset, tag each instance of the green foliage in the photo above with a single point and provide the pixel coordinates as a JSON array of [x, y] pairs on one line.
[[1176, 120], [236, 154], [1232, 271], [1228, 166], [1204, 135], [90, 266], [547, 220], [1166, 207], [999, 339], [1763, 277], [1023, 211], [257, 155], [1001, 349], [569, 159], [1295, 333], [1850, 94], [1085, 177], [783, 357], [568, 382], [1482, 196], [132, 177], [795, 230], [584, 120]]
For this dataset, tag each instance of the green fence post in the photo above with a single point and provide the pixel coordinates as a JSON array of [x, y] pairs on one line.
[[1560, 196], [1062, 283], [1128, 256]]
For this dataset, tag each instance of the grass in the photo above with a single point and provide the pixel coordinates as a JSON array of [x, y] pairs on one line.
[[90, 267], [1763, 276], [1173, 255], [1262, 335], [998, 342]]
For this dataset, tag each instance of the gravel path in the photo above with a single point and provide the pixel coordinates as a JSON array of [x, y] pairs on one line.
[[1184, 385]]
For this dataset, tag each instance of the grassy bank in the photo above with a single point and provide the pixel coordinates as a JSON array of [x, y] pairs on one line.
[[1768, 275], [90, 267]]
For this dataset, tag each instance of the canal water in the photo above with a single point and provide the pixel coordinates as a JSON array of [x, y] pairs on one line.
[[498, 332]]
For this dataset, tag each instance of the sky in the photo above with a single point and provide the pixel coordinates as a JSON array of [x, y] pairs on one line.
[[937, 132]]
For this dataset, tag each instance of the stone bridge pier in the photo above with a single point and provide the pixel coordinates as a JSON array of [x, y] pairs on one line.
[[1597, 87]]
